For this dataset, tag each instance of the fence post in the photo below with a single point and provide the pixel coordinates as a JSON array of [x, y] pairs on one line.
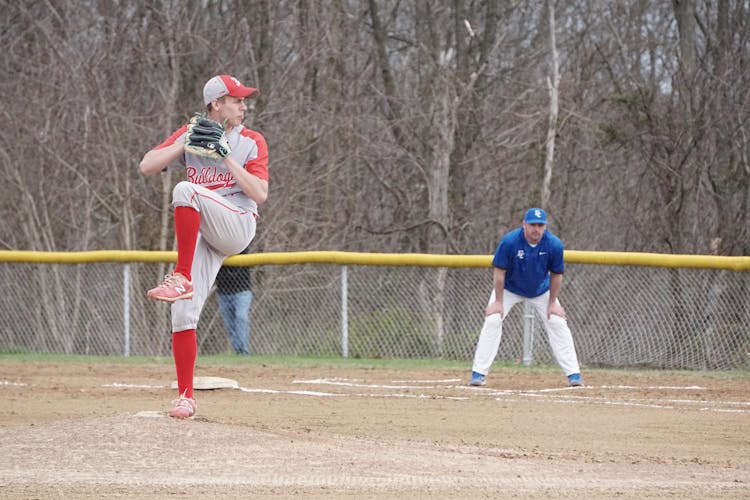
[[344, 313], [126, 309], [528, 333]]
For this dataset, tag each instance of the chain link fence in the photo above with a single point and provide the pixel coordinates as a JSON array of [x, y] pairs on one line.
[[620, 316]]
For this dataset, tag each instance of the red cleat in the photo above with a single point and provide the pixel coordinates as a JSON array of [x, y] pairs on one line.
[[183, 407], [174, 287]]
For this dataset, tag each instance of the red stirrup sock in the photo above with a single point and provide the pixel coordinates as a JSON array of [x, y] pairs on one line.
[[184, 350], [187, 222]]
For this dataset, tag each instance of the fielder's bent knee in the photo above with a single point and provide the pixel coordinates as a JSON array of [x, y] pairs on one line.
[[493, 321], [558, 321]]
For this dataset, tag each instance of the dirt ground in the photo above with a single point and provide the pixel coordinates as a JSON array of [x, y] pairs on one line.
[[79, 430]]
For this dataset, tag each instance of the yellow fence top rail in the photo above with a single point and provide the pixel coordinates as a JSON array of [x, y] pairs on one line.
[[381, 259]]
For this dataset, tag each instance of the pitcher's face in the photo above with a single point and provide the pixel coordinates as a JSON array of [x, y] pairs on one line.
[[231, 111]]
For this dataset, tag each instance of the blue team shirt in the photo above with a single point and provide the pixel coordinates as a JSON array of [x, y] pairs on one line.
[[527, 268]]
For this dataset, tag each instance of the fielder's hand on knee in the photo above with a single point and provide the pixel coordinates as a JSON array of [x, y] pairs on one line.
[[494, 308], [556, 309]]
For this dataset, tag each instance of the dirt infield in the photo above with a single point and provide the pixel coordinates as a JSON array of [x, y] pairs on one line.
[[78, 430]]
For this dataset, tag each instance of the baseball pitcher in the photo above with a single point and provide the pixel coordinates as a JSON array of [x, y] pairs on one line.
[[215, 210]]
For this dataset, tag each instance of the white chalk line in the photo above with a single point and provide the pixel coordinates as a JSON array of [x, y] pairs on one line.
[[565, 395], [307, 393], [134, 386], [356, 383], [437, 381], [546, 395]]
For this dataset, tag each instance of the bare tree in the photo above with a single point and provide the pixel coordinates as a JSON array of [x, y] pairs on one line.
[[392, 126], [552, 85]]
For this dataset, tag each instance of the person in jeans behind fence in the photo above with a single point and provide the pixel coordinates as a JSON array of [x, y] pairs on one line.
[[528, 267], [215, 211], [235, 297]]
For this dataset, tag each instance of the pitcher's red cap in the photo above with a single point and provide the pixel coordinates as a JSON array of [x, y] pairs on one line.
[[222, 85]]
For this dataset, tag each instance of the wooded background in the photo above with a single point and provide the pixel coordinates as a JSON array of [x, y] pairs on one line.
[[392, 125]]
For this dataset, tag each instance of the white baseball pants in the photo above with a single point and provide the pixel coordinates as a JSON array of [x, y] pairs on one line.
[[225, 230], [558, 333]]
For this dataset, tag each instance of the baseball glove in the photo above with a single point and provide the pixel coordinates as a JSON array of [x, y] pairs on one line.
[[205, 137]]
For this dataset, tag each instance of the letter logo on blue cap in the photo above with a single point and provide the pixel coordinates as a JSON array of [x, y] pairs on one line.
[[535, 216]]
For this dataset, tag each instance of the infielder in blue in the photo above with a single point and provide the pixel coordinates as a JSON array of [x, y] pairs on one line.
[[528, 267]]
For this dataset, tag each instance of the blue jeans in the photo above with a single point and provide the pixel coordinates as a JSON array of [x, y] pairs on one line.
[[235, 310]]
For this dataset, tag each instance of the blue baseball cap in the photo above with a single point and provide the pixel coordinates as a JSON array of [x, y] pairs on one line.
[[535, 216]]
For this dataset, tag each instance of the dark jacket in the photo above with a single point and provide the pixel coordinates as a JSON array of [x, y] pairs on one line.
[[233, 279]]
